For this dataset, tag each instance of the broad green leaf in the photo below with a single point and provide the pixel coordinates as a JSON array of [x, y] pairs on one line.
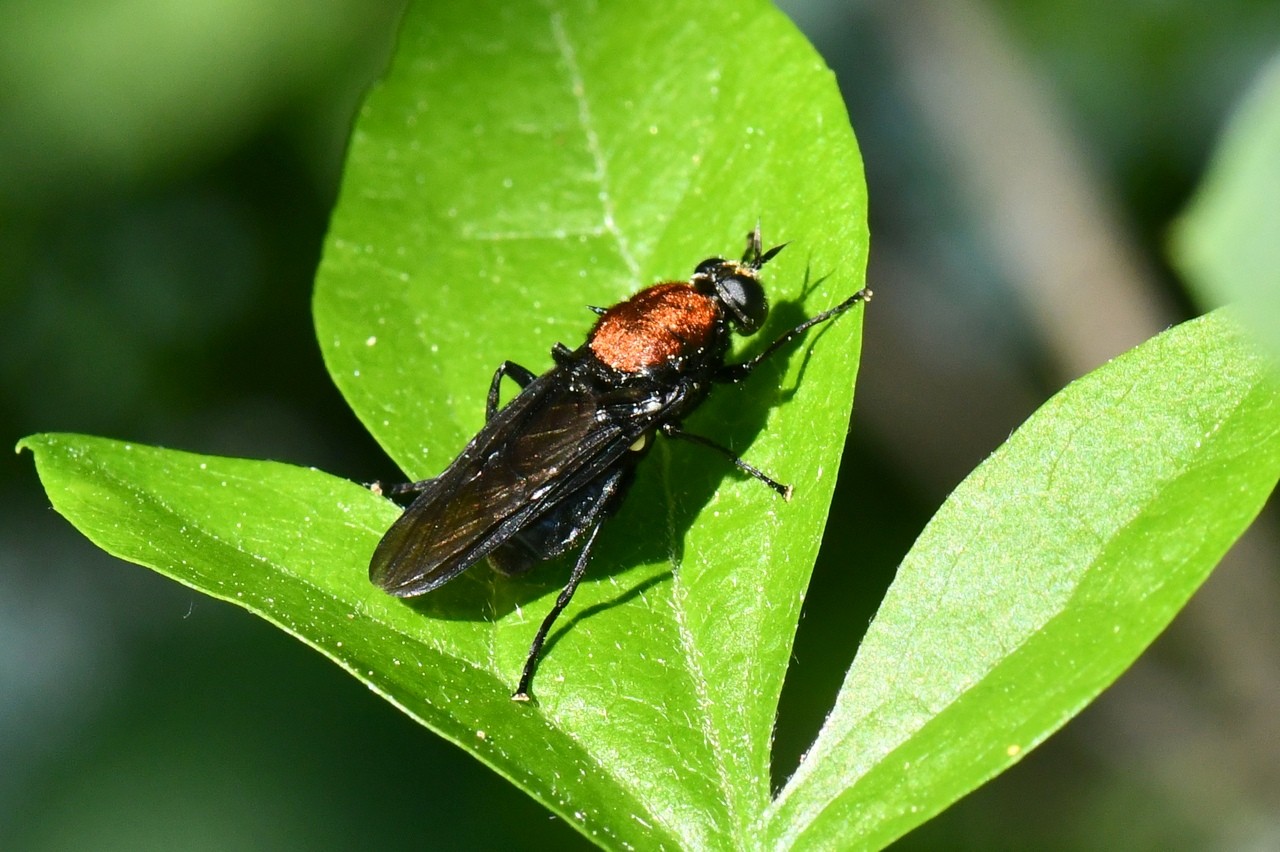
[[518, 163], [1228, 242], [291, 544], [1040, 580]]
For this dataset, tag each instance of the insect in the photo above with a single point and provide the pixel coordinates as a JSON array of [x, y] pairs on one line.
[[548, 468]]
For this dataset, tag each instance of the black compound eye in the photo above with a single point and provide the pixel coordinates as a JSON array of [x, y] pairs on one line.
[[744, 298], [709, 266]]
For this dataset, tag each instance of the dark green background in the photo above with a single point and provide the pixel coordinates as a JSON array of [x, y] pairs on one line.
[[167, 172]]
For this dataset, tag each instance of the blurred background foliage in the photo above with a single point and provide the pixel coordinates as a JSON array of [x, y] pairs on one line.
[[167, 172]]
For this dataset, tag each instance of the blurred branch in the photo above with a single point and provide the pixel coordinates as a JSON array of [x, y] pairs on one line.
[[1055, 232], [1061, 241]]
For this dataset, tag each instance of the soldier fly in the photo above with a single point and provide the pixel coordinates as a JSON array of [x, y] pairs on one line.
[[548, 468]]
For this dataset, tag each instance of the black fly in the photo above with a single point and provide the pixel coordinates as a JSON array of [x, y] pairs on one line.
[[548, 468]]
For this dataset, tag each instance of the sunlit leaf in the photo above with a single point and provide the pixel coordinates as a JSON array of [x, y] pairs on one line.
[[1041, 579]]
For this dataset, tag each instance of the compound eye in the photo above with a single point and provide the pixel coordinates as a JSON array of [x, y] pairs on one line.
[[709, 266], [744, 298]]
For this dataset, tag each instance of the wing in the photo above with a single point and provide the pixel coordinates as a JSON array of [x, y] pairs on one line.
[[560, 433], [559, 528]]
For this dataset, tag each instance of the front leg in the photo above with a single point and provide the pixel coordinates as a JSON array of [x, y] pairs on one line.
[[521, 375], [738, 372]]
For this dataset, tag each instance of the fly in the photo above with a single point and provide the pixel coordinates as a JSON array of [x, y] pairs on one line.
[[548, 469]]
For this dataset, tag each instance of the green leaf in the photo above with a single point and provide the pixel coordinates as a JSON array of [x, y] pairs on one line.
[[291, 545], [518, 163], [1040, 580], [1228, 242]]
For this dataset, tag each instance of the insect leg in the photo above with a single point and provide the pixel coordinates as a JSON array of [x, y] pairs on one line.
[[612, 489], [521, 375], [579, 569], [738, 372], [671, 430], [400, 488]]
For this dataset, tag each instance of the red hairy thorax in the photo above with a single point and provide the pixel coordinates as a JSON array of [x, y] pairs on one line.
[[654, 326]]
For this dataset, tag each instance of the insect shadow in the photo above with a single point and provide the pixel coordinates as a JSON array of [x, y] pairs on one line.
[[673, 486]]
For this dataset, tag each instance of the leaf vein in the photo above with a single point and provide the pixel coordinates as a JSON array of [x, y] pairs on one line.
[[578, 89]]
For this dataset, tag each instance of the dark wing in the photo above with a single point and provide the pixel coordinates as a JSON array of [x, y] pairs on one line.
[[559, 528], [555, 437]]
